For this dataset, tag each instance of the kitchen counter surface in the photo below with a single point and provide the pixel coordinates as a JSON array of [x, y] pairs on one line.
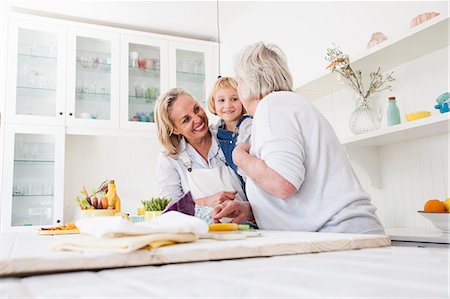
[[424, 235], [28, 253], [386, 272]]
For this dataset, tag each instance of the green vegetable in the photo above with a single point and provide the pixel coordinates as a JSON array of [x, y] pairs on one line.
[[156, 203], [83, 202]]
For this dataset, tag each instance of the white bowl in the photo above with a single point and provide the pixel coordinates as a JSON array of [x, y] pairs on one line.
[[440, 220]]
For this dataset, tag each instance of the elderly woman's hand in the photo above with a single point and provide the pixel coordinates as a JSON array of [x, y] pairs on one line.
[[239, 211], [215, 199], [240, 152]]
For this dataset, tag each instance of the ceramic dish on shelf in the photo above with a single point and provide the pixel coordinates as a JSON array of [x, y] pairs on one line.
[[440, 220], [417, 115]]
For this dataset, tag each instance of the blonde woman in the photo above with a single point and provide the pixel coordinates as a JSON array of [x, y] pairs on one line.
[[298, 176], [192, 160]]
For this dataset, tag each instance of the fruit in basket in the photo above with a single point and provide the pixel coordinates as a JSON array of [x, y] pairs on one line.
[[112, 197], [447, 204], [107, 200], [434, 205]]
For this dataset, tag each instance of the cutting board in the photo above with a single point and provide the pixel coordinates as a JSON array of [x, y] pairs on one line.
[[58, 232], [25, 254]]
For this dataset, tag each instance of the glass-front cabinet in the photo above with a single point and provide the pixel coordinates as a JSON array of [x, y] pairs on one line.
[[144, 76], [33, 193], [93, 74], [192, 69], [36, 78]]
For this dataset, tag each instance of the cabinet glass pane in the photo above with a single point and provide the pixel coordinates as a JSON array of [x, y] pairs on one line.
[[33, 180], [191, 73], [36, 73], [144, 81], [93, 79]]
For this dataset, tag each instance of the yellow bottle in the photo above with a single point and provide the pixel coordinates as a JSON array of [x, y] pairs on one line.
[[113, 198]]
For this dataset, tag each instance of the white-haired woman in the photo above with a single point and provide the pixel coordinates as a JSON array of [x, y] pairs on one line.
[[191, 159], [298, 175]]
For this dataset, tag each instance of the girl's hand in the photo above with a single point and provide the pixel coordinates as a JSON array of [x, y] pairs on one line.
[[239, 211], [215, 199], [240, 152]]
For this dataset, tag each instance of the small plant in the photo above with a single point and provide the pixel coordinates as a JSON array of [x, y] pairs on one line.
[[156, 203]]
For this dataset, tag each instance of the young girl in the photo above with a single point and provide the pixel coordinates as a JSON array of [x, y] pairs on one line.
[[234, 127]]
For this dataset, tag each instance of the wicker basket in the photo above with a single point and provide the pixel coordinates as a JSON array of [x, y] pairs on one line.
[[98, 212]]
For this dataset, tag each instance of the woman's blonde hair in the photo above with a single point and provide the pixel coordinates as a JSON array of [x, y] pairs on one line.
[[261, 69], [221, 83], [164, 126]]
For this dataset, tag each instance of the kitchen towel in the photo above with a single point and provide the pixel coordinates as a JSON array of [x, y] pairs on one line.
[[123, 244], [114, 226]]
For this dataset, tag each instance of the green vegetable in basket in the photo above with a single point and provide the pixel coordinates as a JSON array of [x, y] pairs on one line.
[[156, 203]]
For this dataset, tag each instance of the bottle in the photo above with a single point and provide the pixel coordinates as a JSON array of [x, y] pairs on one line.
[[112, 197], [393, 114]]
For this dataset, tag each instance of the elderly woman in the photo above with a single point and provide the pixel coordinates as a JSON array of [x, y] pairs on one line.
[[191, 159], [298, 175]]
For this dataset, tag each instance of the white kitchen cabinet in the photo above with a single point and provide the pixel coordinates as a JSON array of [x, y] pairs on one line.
[[33, 184], [93, 68], [404, 165], [71, 78], [36, 72], [145, 72], [191, 66]]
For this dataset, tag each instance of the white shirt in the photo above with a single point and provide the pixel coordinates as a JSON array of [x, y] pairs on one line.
[[296, 141], [171, 172]]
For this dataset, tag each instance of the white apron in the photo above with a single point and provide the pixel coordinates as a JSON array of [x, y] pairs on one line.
[[206, 182]]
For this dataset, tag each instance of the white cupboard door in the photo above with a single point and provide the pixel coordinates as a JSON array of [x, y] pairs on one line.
[[36, 72], [33, 177], [93, 78], [144, 76], [192, 67]]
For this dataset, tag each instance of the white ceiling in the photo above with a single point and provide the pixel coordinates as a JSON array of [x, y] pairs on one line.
[[192, 19]]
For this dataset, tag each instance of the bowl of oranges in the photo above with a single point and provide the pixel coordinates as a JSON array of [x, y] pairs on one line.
[[438, 212]]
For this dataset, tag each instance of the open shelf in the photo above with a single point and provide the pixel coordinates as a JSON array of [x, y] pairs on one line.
[[423, 39], [425, 127]]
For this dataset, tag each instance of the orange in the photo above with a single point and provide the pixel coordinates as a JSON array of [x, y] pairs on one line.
[[434, 205], [447, 204]]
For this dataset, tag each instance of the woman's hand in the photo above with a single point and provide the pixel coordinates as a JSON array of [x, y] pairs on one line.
[[240, 152], [239, 211], [215, 199]]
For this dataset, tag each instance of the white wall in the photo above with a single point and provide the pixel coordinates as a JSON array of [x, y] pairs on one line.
[[305, 29], [130, 161]]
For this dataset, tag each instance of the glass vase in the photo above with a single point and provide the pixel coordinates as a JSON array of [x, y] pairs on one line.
[[367, 115]]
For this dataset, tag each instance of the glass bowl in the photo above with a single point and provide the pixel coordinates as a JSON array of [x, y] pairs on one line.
[[440, 220]]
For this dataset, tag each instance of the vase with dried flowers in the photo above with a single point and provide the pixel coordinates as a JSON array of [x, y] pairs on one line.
[[364, 118]]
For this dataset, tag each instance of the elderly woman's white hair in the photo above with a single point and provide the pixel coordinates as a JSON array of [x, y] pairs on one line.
[[261, 69]]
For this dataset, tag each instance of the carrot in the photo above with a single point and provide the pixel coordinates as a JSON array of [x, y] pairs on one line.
[[104, 201]]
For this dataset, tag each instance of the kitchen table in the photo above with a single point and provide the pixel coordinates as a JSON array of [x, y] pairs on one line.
[[386, 271]]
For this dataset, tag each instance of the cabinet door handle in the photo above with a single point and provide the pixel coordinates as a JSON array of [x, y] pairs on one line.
[[58, 221], [70, 114], [60, 113]]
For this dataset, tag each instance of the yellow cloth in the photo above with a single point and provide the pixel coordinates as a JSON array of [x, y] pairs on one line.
[[123, 244]]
